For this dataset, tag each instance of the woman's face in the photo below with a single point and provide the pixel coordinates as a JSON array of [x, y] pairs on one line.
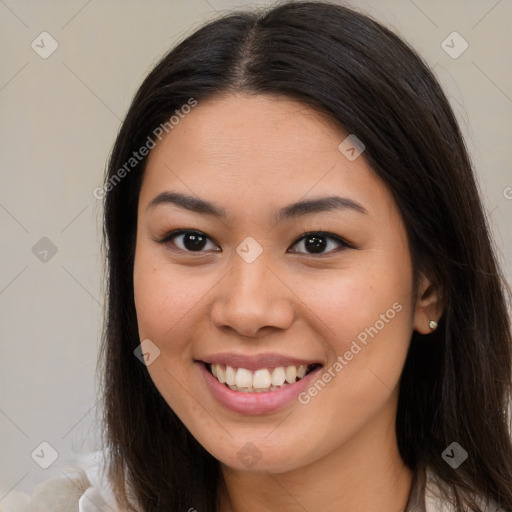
[[240, 290]]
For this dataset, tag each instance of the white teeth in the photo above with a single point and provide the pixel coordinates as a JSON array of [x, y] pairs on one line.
[[243, 378], [278, 376], [258, 381], [253, 390], [221, 374], [291, 374], [230, 376], [261, 379]]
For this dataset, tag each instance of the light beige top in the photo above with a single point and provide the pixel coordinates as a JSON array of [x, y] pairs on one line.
[[426, 496], [87, 490]]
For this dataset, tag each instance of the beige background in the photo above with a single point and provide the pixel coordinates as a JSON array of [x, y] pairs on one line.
[[59, 117]]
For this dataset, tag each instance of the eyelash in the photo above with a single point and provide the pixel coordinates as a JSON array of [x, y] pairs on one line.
[[167, 239]]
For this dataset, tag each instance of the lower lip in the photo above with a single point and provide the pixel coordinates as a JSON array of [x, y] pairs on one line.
[[255, 403]]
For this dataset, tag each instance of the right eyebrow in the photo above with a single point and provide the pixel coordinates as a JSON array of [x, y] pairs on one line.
[[191, 203]]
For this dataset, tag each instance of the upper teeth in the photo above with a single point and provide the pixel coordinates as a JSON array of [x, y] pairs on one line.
[[263, 379]]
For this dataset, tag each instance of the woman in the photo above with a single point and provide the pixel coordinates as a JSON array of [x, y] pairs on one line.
[[305, 310]]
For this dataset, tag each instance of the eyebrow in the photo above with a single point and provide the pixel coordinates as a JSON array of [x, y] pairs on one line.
[[318, 205]]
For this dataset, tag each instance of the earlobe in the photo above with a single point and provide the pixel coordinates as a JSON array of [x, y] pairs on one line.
[[429, 306], [433, 325]]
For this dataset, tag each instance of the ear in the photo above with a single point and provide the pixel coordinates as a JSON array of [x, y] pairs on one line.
[[429, 305]]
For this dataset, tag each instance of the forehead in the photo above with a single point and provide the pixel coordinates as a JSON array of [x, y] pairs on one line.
[[254, 150]]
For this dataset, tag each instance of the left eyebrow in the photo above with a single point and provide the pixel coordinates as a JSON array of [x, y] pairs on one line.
[[318, 205], [321, 204]]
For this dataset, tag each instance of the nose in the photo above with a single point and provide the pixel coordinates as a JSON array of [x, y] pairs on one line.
[[252, 300]]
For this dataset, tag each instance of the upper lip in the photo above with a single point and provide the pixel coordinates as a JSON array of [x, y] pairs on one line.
[[257, 361]]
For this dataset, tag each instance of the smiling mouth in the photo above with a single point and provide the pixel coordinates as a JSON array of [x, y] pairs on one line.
[[259, 381]]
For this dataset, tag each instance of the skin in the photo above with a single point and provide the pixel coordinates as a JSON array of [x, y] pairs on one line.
[[253, 155]]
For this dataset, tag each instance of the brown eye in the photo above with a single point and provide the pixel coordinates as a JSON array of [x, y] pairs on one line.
[[194, 241], [188, 240], [314, 243], [317, 242]]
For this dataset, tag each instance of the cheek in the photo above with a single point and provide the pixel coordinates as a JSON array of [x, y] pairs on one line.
[[165, 303], [354, 304], [163, 298], [368, 321]]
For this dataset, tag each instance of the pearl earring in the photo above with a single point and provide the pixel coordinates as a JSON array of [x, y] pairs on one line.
[[433, 325]]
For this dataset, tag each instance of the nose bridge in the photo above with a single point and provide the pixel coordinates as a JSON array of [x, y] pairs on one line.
[[250, 280], [252, 297], [250, 286]]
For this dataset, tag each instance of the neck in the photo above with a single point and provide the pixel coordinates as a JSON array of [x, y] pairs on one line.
[[366, 473]]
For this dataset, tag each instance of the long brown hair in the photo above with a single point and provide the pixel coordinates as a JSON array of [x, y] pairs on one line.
[[456, 387]]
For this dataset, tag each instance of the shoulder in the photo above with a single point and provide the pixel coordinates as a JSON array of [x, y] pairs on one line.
[[85, 489], [59, 494], [436, 493]]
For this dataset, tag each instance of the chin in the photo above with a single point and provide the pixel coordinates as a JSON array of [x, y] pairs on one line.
[[257, 454]]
